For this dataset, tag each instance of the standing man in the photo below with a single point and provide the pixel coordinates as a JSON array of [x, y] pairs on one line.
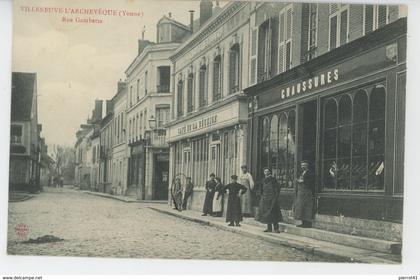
[[210, 190], [177, 194], [187, 193], [247, 181], [304, 196], [234, 212], [269, 208]]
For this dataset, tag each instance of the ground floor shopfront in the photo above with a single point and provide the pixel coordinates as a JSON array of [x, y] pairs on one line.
[[344, 112], [211, 141], [148, 172]]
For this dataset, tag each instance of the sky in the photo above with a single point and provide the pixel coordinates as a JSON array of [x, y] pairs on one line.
[[77, 63]]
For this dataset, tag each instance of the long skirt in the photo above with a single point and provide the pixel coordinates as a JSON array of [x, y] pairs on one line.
[[246, 202], [303, 204], [217, 203], [233, 212], [208, 203]]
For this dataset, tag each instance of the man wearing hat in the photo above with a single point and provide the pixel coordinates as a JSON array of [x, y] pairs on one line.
[[246, 179], [234, 212], [304, 196], [269, 208]]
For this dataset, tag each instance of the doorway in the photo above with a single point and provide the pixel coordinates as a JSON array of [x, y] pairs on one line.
[[307, 132], [161, 177], [214, 164]]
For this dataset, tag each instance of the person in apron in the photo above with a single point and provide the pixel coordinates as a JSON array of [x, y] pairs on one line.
[[218, 198], [246, 180], [304, 196]]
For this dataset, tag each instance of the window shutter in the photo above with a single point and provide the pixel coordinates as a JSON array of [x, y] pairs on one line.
[[333, 8], [289, 24], [382, 15], [333, 32], [281, 42], [253, 62], [262, 34], [343, 27], [274, 45], [368, 18], [268, 48]]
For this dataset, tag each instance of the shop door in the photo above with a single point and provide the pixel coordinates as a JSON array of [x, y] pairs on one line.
[[214, 163], [187, 170], [307, 132], [161, 179]]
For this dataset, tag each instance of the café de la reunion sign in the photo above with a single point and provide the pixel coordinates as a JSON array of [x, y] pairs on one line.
[[310, 84]]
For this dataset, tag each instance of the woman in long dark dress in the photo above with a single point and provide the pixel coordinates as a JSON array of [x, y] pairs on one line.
[[210, 190], [269, 208], [234, 211]]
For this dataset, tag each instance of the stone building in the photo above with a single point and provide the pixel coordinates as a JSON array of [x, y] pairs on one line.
[[24, 169], [106, 145], [328, 86], [148, 108], [208, 128]]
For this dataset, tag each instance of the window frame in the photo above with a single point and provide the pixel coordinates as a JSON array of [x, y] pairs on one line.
[[375, 17], [340, 9]]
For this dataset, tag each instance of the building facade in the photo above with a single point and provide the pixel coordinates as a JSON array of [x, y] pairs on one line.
[[336, 99], [148, 110], [119, 151], [208, 128], [24, 169]]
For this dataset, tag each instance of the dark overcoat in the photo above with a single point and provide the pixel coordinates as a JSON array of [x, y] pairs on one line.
[[208, 201], [234, 211], [304, 197], [269, 207]]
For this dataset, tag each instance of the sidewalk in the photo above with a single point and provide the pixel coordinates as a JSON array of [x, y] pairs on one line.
[[129, 199], [296, 238]]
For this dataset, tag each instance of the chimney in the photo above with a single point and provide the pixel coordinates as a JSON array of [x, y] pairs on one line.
[[97, 113], [206, 8], [170, 15], [121, 85], [191, 20], [109, 107]]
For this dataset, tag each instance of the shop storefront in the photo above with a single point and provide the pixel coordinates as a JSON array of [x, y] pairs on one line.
[[210, 142], [344, 112]]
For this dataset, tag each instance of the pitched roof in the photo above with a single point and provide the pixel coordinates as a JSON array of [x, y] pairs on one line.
[[23, 88]]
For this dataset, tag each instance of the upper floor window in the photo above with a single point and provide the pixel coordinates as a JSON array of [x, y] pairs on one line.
[[16, 134], [264, 50], [339, 25], [374, 17], [285, 39], [138, 89], [190, 93], [234, 67], [202, 86], [131, 95], [162, 116], [217, 78], [145, 82], [180, 98], [164, 77]]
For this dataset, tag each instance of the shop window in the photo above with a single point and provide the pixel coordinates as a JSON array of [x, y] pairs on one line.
[[190, 93], [354, 141], [217, 78], [203, 86], [234, 64], [375, 16], [16, 134], [278, 146], [338, 25]]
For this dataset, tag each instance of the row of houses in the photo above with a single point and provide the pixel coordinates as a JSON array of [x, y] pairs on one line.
[[30, 166], [264, 84]]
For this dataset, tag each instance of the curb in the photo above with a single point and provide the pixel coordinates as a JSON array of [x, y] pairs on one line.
[[124, 199], [336, 255]]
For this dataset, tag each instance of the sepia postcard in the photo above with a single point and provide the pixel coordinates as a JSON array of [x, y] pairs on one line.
[[209, 130]]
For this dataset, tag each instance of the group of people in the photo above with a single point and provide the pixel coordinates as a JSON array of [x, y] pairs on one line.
[[239, 199]]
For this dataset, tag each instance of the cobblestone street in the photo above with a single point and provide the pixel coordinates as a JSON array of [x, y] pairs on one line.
[[96, 226]]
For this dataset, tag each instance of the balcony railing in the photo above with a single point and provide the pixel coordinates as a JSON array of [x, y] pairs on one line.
[[157, 137], [162, 88]]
